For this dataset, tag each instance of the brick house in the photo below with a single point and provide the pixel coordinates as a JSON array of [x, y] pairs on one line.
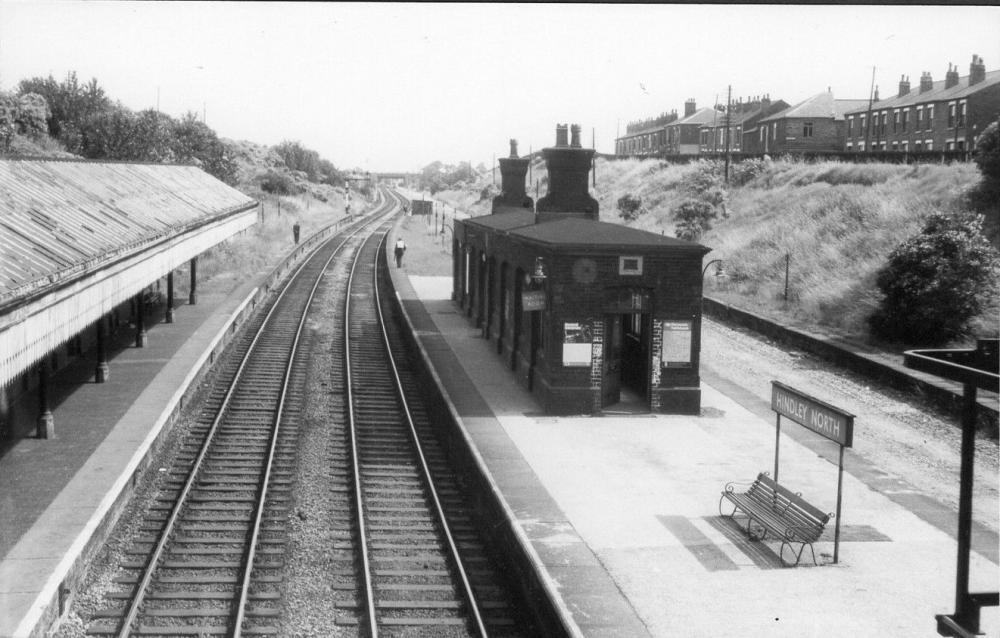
[[744, 117], [645, 137], [814, 125], [683, 134], [946, 115]]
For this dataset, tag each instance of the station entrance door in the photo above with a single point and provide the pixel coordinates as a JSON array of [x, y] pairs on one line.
[[627, 348]]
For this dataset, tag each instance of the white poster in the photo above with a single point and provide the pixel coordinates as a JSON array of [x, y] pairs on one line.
[[676, 350]]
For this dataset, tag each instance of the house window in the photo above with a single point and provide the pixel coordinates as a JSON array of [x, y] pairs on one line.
[[861, 129], [949, 146], [904, 146], [951, 115], [918, 122], [807, 129], [849, 149], [861, 146], [881, 145], [850, 126], [895, 146], [762, 129], [630, 265], [961, 114], [930, 117], [961, 145], [895, 120], [917, 146], [928, 145], [906, 116]]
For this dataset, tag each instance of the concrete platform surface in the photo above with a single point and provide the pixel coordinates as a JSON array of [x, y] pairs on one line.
[[640, 494]]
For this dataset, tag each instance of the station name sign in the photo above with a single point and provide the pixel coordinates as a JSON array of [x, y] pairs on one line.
[[820, 417]]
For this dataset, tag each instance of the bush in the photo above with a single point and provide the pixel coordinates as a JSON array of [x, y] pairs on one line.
[[694, 217], [936, 282], [988, 153], [278, 184], [630, 208]]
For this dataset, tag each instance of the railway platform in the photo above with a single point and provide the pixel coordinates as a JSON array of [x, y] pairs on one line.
[[57, 495], [622, 510]]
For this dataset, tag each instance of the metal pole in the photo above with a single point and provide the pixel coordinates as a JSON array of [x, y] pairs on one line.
[[964, 610], [777, 443], [729, 119], [868, 124], [788, 258], [840, 488]]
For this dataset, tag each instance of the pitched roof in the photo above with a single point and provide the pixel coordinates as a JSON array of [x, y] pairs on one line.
[[502, 221], [818, 106], [701, 116], [58, 217], [936, 94]]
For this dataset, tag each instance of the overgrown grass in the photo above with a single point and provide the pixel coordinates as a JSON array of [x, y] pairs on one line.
[[262, 246]]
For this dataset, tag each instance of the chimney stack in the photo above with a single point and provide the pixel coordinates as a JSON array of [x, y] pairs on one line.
[[876, 94], [927, 82], [977, 70], [512, 172], [569, 169], [951, 78], [575, 139], [904, 85], [561, 130], [690, 107]]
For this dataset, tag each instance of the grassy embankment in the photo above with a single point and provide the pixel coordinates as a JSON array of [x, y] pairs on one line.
[[837, 222], [261, 247]]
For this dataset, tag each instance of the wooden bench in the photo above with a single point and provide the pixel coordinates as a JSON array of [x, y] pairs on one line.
[[776, 509]]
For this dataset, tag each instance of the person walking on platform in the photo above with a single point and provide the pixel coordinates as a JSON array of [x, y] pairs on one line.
[[400, 249]]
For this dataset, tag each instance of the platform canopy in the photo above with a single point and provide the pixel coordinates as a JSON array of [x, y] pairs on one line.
[[77, 238]]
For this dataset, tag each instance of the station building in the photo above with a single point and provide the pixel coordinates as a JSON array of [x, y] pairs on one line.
[[84, 246], [586, 314]]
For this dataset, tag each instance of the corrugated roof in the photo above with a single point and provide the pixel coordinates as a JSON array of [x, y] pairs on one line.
[[586, 232], [58, 217], [818, 106], [936, 94]]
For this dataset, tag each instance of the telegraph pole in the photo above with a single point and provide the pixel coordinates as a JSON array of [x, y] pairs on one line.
[[729, 108], [868, 126], [593, 158]]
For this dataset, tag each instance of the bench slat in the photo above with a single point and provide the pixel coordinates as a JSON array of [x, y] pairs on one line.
[[779, 510]]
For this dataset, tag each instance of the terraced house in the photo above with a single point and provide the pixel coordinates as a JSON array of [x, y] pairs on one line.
[[944, 115], [645, 137], [743, 119], [815, 125]]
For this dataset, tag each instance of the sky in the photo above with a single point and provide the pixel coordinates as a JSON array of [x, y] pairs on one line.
[[394, 86]]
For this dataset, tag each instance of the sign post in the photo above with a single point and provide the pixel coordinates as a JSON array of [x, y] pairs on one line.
[[823, 419]]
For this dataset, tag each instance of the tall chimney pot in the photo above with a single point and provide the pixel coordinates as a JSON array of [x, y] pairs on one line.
[[904, 85], [977, 70], [512, 193], [951, 78], [575, 139]]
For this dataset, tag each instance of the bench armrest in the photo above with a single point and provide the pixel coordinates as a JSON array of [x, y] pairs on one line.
[[732, 485]]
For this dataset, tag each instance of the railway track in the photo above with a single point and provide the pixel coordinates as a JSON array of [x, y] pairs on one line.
[[423, 570], [209, 555], [208, 560]]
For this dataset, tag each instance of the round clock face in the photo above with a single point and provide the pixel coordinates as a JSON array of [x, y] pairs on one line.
[[585, 271]]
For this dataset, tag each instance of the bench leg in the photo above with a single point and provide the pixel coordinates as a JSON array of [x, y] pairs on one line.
[[798, 556], [721, 513]]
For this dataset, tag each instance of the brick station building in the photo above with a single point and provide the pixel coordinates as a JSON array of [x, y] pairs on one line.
[[586, 313]]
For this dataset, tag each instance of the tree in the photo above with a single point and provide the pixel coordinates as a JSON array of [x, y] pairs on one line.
[[70, 103], [935, 282]]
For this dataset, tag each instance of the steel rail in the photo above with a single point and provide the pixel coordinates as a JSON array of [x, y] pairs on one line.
[[166, 533], [415, 438], [355, 464]]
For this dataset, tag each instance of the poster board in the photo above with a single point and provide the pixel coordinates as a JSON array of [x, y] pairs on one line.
[[578, 338], [676, 349]]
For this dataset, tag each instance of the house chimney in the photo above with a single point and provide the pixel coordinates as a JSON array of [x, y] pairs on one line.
[[512, 172], [875, 99], [690, 107], [904, 85], [561, 130], [575, 136], [927, 82], [951, 78], [569, 168], [977, 70]]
